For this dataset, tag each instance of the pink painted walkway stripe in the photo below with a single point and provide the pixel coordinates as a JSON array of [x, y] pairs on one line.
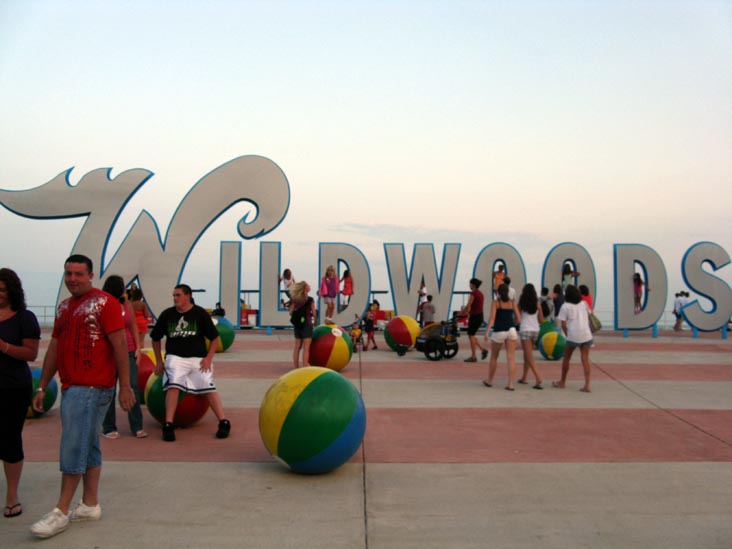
[[429, 435]]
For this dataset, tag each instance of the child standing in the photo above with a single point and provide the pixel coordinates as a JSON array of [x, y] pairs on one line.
[[347, 291], [287, 280], [369, 326]]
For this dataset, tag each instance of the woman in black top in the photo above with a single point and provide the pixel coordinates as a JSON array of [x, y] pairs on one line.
[[503, 320], [19, 335]]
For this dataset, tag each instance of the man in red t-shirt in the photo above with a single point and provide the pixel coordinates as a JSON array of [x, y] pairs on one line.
[[89, 350]]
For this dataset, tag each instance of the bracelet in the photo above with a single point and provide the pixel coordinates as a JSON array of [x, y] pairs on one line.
[[40, 390]]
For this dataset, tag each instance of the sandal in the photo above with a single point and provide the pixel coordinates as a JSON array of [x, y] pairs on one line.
[[10, 512], [141, 434], [487, 384], [111, 435]]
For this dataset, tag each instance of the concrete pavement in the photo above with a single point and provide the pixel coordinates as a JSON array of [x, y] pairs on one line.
[[643, 461]]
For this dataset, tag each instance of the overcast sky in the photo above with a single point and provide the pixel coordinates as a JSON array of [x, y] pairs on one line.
[[531, 123]]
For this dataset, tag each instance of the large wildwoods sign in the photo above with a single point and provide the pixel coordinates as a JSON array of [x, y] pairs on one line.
[[158, 262]]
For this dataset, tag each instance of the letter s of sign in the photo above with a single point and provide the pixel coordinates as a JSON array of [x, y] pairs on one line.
[[156, 261]]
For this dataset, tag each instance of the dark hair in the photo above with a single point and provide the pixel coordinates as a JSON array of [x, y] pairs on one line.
[[476, 282], [135, 294], [545, 291], [529, 301], [584, 290], [78, 258], [503, 292], [186, 289], [567, 269], [572, 294], [557, 289], [115, 286], [16, 295], [507, 280]]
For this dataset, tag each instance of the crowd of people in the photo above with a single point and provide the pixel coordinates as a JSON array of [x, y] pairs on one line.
[[94, 347], [98, 335]]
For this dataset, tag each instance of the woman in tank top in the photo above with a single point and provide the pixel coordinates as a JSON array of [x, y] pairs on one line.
[[504, 318]]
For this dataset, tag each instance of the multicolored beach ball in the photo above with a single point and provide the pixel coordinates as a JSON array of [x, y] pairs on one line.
[[145, 367], [226, 333], [546, 327], [312, 420], [49, 397], [401, 330], [331, 348], [551, 345], [190, 407]]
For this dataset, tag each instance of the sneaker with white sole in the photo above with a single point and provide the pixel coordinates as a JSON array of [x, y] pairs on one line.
[[85, 512], [51, 524]]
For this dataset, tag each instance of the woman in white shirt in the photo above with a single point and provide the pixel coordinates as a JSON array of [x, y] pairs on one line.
[[575, 321], [531, 318]]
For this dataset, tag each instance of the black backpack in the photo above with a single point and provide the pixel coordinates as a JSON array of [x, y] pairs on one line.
[[298, 316], [545, 309]]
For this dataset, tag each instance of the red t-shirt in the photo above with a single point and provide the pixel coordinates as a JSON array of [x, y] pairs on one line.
[[85, 355], [476, 307]]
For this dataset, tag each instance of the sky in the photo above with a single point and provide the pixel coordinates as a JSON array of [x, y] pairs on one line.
[[531, 123]]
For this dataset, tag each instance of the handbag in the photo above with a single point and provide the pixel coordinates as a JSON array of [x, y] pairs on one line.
[[595, 324], [323, 292]]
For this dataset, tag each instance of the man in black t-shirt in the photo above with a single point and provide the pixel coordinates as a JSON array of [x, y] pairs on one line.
[[188, 364]]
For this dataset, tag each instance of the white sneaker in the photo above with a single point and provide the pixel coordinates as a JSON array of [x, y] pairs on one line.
[[51, 524], [84, 512]]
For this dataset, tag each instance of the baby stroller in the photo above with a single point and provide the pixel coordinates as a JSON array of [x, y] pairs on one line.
[[439, 340]]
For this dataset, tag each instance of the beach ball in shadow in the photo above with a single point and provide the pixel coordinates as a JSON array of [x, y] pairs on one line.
[[49, 397], [190, 409]]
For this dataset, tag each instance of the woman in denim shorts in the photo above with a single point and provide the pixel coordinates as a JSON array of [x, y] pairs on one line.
[[531, 318], [575, 318], [504, 317]]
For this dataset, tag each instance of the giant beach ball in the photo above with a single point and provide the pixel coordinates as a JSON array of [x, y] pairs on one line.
[[190, 407], [145, 368], [401, 330], [49, 397], [331, 348], [546, 327], [312, 420], [226, 333], [551, 345]]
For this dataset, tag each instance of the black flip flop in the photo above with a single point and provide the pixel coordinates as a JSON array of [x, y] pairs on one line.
[[487, 384], [9, 510]]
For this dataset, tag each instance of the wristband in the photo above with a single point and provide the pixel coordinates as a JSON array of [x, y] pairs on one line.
[[40, 390]]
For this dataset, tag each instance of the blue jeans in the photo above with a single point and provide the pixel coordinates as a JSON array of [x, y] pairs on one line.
[[82, 412], [135, 414]]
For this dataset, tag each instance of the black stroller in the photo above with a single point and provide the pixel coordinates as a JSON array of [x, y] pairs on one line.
[[439, 341]]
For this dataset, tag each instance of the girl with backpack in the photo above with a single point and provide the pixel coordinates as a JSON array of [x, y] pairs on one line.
[[302, 314]]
